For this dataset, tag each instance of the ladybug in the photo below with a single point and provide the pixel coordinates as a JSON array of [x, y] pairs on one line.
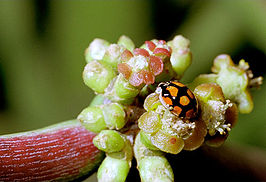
[[178, 98]]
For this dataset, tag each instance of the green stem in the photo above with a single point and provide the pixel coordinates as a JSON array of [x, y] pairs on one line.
[[152, 164], [113, 170], [116, 165]]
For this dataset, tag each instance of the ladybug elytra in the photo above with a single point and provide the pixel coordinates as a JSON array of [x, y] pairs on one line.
[[178, 98]]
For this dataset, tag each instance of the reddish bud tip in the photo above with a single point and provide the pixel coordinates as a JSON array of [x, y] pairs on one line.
[[148, 77], [136, 79], [162, 42], [161, 51], [151, 46], [139, 51], [126, 55], [156, 65], [124, 69]]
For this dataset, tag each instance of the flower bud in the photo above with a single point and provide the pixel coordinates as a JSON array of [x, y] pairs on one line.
[[123, 89], [92, 119], [126, 42], [96, 50], [113, 170], [213, 108], [109, 141], [181, 56], [151, 102], [114, 116], [234, 81], [98, 76], [112, 55], [146, 140], [167, 142], [149, 122], [155, 167]]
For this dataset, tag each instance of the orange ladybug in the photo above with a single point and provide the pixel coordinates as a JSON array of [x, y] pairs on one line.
[[178, 98]]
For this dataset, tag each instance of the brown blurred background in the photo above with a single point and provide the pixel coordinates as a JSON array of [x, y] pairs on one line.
[[42, 45]]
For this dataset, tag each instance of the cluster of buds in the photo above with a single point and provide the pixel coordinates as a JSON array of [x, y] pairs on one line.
[[174, 117], [124, 70], [140, 67]]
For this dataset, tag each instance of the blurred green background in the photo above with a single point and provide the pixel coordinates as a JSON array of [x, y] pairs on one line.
[[42, 45]]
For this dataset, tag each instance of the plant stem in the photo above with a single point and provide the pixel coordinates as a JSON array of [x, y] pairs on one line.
[[60, 152], [65, 152]]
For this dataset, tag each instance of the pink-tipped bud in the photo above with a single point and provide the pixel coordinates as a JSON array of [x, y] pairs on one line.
[[126, 55], [150, 45], [148, 77], [136, 79], [124, 69], [161, 51], [139, 51], [156, 65], [162, 42]]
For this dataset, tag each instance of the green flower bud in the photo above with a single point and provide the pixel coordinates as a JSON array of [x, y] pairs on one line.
[[149, 122], [141, 151], [209, 91], [92, 119], [96, 50], [126, 42], [152, 164], [245, 102], [113, 170], [155, 168], [222, 62], [213, 108], [114, 116], [151, 102], [97, 76], [146, 140], [203, 78], [234, 81], [181, 56], [124, 90], [112, 55], [109, 141], [167, 142], [125, 154]]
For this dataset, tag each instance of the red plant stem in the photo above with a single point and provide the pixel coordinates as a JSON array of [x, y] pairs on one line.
[[61, 152]]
